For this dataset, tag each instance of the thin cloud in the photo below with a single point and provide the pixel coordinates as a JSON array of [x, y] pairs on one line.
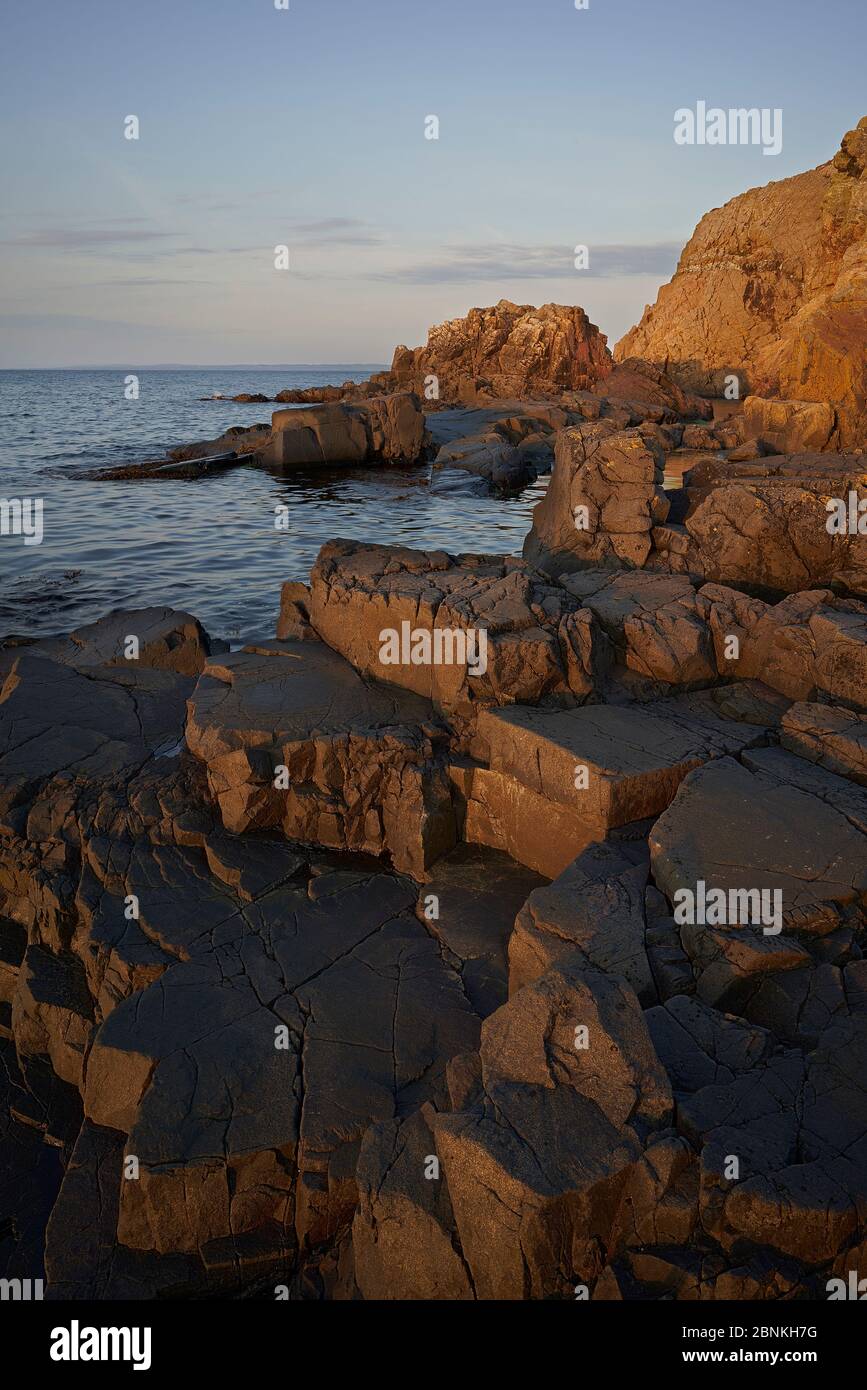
[[141, 280], [207, 202], [504, 261], [334, 231], [86, 238]]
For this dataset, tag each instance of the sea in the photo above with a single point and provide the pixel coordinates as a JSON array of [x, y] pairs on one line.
[[209, 545]]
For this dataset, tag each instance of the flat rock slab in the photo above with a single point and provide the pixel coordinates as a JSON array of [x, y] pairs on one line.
[[362, 592], [634, 756], [593, 911], [700, 1047], [282, 692], [360, 761], [778, 765], [796, 1126], [737, 827], [94, 725], [234, 1125], [469, 904]]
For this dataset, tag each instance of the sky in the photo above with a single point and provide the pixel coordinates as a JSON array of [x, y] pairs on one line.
[[306, 127]]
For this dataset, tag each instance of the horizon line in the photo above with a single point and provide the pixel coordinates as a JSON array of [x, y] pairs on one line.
[[204, 367]]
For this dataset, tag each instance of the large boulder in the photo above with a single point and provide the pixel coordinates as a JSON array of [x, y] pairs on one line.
[[491, 456], [158, 639], [604, 498], [809, 646], [766, 523], [389, 428], [789, 427]]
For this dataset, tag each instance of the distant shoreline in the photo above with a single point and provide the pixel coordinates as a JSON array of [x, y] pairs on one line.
[[215, 367]]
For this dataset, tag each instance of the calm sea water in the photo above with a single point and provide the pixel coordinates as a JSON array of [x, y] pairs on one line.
[[208, 545]]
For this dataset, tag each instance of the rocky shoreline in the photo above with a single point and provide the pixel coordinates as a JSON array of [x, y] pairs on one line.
[[497, 929], [299, 942]]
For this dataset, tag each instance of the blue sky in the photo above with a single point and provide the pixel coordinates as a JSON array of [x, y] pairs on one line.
[[306, 127]]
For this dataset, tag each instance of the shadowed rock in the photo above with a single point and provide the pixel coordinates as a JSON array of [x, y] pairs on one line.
[[533, 1209], [469, 904], [390, 428], [403, 1234], [593, 911], [833, 738]]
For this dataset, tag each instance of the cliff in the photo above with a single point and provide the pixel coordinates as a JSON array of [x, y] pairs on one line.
[[772, 287]]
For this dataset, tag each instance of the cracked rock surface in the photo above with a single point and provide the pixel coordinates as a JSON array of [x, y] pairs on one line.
[[421, 1016]]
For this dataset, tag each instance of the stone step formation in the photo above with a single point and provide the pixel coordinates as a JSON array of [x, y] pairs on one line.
[[326, 973]]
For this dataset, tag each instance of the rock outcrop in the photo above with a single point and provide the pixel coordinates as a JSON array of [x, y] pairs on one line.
[[772, 289], [381, 429], [776, 524], [509, 350], [463, 631], [646, 388]]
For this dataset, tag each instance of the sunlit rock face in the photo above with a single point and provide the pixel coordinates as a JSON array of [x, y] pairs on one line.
[[508, 350], [772, 289]]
